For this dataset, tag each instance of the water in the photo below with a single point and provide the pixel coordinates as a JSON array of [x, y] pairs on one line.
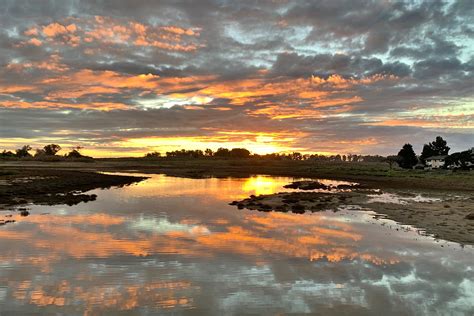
[[173, 245]]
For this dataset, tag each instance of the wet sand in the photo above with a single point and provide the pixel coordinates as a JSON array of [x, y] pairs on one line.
[[443, 215]]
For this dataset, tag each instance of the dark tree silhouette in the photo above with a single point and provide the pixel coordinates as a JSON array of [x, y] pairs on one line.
[[462, 160], [153, 154], [435, 148], [51, 150], [239, 153], [407, 157], [74, 153], [23, 151], [222, 152], [183, 153], [296, 156], [7, 154]]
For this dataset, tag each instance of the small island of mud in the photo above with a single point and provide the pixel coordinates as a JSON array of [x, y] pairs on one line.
[[442, 215], [46, 186]]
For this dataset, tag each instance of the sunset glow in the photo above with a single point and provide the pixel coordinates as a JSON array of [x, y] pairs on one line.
[[311, 79]]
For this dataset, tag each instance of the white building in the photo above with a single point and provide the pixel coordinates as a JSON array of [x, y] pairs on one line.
[[435, 162]]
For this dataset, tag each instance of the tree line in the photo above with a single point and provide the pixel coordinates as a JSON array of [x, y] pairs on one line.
[[407, 158], [48, 152], [245, 153]]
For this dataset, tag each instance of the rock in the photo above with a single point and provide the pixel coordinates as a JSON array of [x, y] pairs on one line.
[[24, 213], [306, 185], [470, 216]]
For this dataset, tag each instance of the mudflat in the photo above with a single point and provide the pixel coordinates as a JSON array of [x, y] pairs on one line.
[[48, 186], [444, 215]]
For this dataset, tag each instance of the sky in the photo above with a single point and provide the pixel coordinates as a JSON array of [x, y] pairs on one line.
[[122, 78]]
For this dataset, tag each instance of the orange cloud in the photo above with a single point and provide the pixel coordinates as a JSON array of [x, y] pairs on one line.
[[35, 42], [8, 89], [180, 31], [108, 30], [55, 29], [31, 31]]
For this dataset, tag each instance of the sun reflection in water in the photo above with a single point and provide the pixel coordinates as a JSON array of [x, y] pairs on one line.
[[263, 185]]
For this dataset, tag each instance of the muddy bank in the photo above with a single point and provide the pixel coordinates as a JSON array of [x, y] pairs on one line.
[[46, 186], [444, 216]]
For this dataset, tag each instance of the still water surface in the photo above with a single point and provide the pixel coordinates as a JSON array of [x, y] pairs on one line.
[[174, 245]]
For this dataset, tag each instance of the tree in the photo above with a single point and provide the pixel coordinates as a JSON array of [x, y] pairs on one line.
[[51, 150], [208, 152], [7, 154], [436, 148], [23, 151], [153, 154], [239, 153], [407, 157], [222, 152], [296, 156], [462, 160], [183, 153], [74, 153]]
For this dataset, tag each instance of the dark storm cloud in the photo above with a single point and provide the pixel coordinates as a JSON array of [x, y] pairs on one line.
[[361, 74]]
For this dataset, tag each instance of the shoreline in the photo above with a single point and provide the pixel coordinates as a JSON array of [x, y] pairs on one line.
[[369, 175], [443, 216]]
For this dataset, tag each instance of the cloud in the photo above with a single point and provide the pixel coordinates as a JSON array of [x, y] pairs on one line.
[[343, 72], [55, 29]]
